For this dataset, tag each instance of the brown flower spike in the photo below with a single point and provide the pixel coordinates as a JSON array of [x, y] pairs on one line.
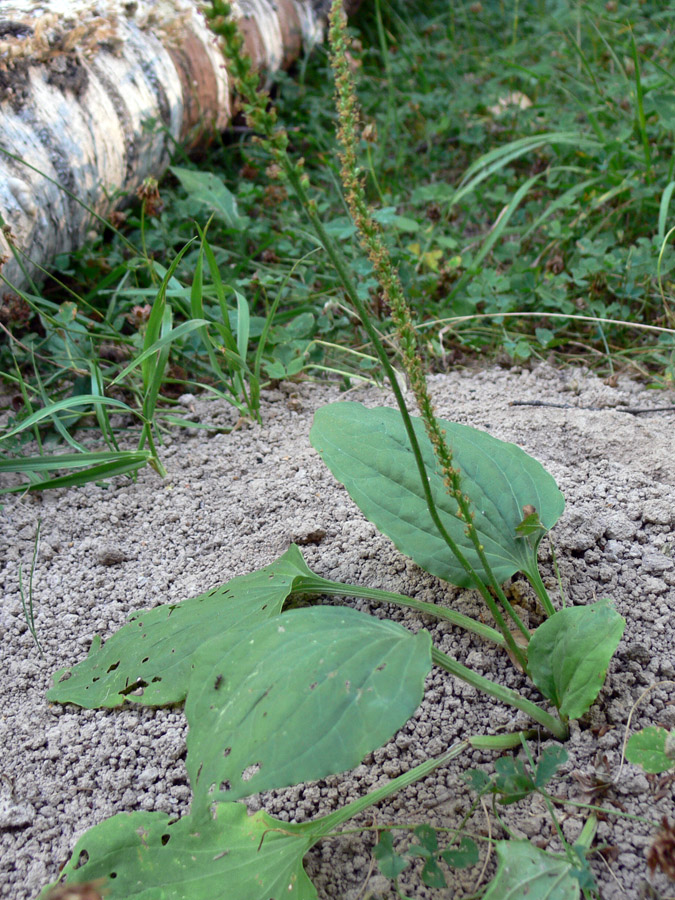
[[662, 852]]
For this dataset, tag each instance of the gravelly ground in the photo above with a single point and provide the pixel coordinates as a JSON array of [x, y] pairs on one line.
[[233, 502]]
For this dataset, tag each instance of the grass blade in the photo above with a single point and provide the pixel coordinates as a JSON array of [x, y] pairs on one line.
[[68, 404], [663, 210], [130, 462]]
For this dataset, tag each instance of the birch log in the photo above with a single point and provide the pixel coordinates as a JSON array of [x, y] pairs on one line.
[[93, 93]]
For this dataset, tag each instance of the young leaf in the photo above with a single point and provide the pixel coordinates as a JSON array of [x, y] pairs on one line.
[[569, 654], [151, 656], [427, 848], [298, 698], [549, 762], [221, 855], [368, 451], [525, 871], [389, 862], [428, 842], [652, 748], [477, 779], [531, 523], [512, 780], [432, 874], [462, 857]]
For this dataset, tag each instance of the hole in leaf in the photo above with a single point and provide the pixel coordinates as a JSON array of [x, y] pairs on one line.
[[112, 667], [65, 677], [165, 839], [225, 786], [220, 855], [145, 660], [112, 875], [218, 682], [250, 771], [82, 859], [137, 685], [227, 751], [155, 679]]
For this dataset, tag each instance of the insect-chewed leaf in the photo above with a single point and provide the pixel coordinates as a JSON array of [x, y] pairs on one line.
[[368, 451], [221, 855], [653, 748], [149, 659], [298, 698], [569, 654], [549, 762], [526, 871], [462, 857]]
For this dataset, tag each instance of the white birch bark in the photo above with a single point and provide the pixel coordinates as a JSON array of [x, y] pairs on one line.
[[79, 82]]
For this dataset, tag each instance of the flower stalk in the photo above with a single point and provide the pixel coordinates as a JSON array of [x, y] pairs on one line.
[[275, 140]]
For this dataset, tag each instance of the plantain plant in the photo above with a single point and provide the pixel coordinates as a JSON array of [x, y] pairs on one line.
[[282, 695]]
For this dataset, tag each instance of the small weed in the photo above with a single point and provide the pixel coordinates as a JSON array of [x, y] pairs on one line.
[[27, 605]]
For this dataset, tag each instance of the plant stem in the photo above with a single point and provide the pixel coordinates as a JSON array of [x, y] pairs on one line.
[[340, 265], [326, 824], [500, 692], [502, 741], [535, 580], [371, 240], [28, 608], [335, 588], [155, 461], [276, 141], [587, 835]]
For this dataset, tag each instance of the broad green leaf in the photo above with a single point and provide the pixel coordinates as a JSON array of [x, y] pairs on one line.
[[652, 748], [224, 855], [149, 660], [388, 217], [209, 190], [524, 871], [298, 698], [569, 654], [368, 451]]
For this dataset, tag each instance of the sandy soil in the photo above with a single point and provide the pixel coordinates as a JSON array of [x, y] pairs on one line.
[[233, 502]]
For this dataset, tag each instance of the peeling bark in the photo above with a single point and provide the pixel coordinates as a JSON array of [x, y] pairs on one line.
[[94, 94]]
